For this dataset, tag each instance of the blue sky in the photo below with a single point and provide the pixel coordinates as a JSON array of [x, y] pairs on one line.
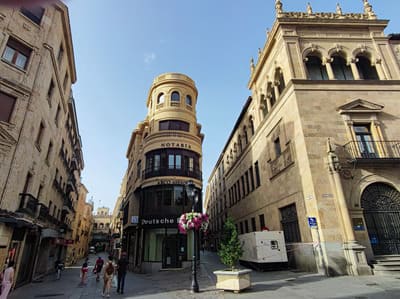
[[121, 46]]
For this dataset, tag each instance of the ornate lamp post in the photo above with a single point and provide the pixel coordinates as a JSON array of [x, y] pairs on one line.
[[191, 193]]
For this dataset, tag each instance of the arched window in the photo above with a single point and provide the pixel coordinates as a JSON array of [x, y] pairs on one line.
[[315, 69], [271, 94], [251, 122], [240, 143], [341, 70], [366, 70], [246, 137], [263, 105], [160, 98], [280, 80], [175, 97], [189, 100]]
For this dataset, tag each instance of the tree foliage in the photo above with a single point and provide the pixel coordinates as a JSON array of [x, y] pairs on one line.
[[230, 249]]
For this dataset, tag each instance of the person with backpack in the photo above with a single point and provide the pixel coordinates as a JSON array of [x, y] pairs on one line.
[[108, 276], [122, 266]]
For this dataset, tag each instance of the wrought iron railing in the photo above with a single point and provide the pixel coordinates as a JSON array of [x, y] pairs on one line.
[[163, 171], [373, 149]]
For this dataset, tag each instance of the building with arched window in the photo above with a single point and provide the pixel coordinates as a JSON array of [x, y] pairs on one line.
[[164, 153], [101, 233], [322, 160]]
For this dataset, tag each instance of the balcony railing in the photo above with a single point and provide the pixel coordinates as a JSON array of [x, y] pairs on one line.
[[163, 171], [43, 212], [376, 151], [28, 204]]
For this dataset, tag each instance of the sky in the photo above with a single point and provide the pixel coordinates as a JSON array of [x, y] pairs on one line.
[[121, 46]]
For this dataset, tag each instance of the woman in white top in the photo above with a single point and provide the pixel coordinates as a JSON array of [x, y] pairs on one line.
[[8, 280]]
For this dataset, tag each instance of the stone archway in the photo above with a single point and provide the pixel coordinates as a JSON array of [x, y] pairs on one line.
[[381, 204]]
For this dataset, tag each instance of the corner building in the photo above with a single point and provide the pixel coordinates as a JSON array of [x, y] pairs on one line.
[[164, 153], [318, 139]]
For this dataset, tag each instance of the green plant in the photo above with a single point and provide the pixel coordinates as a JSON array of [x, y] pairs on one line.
[[230, 249]]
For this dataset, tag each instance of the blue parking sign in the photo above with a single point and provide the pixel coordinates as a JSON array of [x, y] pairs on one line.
[[312, 222]]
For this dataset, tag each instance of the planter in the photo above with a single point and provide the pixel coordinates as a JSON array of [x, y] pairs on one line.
[[236, 280]]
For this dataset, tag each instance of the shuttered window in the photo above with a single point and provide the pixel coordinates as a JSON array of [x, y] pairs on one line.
[[7, 104]]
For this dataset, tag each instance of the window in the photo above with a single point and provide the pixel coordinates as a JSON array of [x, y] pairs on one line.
[[60, 54], [138, 168], [257, 174], [171, 161], [262, 221], [17, 53], [271, 94], [246, 226], [240, 143], [188, 100], [280, 80], [40, 191], [264, 105], [247, 182], [33, 13], [341, 70], [251, 177], [290, 224], [243, 187], [253, 224], [241, 227], [7, 104], [175, 97], [277, 147], [251, 121], [246, 137], [177, 125], [315, 69], [160, 98], [40, 135], [28, 181], [366, 70], [50, 204], [156, 162], [365, 142]]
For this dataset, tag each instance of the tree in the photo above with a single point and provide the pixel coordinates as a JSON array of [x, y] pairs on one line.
[[230, 249]]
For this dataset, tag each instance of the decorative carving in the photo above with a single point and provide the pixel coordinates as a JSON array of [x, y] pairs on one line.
[[252, 64], [368, 10], [380, 197], [363, 48], [338, 48]]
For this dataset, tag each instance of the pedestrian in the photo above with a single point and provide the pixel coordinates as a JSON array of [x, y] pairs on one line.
[[108, 276], [8, 280], [98, 267], [84, 272], [122, 266]]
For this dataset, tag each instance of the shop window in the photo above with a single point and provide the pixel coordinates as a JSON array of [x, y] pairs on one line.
[[17, 53], [315, 69], [366, 70], [341, 69], [7, 104]]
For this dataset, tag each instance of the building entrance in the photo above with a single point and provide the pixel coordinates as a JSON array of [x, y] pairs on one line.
[[171, 257], [381, 204]]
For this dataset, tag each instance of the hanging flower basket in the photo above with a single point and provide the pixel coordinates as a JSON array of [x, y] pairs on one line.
[[193, 221]]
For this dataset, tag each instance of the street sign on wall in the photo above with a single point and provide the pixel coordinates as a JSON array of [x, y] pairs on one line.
[[312, 222]]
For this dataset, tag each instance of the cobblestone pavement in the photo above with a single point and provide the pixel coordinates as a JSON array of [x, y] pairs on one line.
[[176, 284]]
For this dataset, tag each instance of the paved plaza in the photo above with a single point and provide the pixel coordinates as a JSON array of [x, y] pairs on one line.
[[176, 284]]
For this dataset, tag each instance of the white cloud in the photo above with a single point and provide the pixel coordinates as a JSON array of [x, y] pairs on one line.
[[149, 57]]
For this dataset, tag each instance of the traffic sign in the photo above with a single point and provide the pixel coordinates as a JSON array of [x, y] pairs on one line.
[[312, 222]]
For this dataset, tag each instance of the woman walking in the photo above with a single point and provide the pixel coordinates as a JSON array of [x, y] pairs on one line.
[[108, 276], [8, 280]]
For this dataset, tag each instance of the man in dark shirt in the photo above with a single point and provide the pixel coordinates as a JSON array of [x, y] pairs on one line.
[[122, 266]]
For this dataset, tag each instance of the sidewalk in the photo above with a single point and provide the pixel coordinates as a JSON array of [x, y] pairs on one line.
[[176, 284]]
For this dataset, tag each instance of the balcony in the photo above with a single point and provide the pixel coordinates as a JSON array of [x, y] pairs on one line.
[[282, 162], [374, 152], [164, 171], [43, 212], [28, 204]]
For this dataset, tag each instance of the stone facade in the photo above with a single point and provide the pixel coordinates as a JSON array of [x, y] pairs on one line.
[[164, 153], [101, 229], [317, 138], [40, 147]]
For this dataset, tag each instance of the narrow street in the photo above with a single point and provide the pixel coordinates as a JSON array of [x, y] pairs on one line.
[[176, 284]]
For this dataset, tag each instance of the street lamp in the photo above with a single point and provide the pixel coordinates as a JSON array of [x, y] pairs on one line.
[[191, 193]]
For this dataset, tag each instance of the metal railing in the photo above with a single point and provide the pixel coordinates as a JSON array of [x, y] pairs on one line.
[[373, 149], [164, 171], [28, 204]]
